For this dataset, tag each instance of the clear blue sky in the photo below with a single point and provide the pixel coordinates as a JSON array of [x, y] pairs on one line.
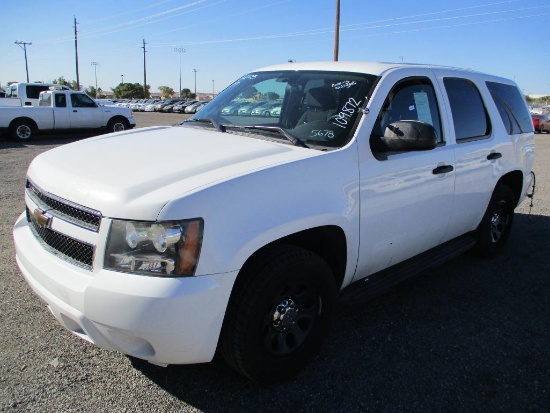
[[225, 39]]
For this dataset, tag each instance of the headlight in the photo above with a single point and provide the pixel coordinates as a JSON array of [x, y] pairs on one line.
[[168, 248]]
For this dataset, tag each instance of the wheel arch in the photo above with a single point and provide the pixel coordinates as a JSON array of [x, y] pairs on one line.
[[25, 119], [329, 242], [116, 118], [513, 180]]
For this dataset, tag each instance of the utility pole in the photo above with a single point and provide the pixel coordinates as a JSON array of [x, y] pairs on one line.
[[24, 44], [337, 31], [195, 70], [179, 50], [144, 71], [76, 54], [95, 65]]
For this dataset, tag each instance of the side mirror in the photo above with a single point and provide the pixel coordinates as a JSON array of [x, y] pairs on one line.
[[409, 135]]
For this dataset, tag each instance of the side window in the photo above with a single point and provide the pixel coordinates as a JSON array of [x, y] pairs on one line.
[[511, 107], [60, 100], [410, 99], [81, 101], [45, 99], [469, 114], [33, 92]]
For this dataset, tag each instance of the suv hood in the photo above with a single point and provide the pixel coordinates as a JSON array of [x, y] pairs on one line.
[[134, 174]]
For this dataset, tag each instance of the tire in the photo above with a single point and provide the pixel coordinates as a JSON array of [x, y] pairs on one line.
[[494, 230], [278, 315], [117, 125], [267, 114], [22, 130]]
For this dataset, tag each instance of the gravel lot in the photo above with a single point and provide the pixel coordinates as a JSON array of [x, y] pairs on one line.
[[469, 336]]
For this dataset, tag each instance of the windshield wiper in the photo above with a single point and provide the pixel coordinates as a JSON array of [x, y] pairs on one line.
[[295, 141], [207, 120]]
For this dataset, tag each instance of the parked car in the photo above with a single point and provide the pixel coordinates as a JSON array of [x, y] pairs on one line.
[[246, 110], [241, 244], [168, 102], [265, 108], [170, 106], [276, 111], [150, 107], [193, 108], [233, 107], [182, 105], [541, 123]]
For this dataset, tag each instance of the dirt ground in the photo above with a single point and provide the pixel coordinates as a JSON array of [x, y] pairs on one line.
[[468, 336]]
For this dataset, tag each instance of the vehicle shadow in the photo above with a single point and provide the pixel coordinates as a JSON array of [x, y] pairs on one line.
[[471, 335], [47, 139]]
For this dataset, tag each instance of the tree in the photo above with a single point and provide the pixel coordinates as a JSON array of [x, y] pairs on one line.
[[62, 81], [185, 93], [167, 92], [128, 91], [97, 94]]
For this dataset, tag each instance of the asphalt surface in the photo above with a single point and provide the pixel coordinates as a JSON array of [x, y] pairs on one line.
[[469, 336]]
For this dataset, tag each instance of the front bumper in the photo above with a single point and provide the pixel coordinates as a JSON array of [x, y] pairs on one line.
[[163, 320]]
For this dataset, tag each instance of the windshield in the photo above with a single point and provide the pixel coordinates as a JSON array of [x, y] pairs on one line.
[[308, 108]]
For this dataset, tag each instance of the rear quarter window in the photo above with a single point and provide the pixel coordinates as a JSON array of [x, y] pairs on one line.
[[33, 92], [511, 107], [469, 114]]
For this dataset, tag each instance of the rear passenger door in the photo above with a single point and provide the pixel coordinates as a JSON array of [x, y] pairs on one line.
[[61, 111], [479, 150], [405, 197]]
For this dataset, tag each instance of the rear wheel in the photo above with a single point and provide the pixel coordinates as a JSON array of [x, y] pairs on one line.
[[278, 314], [22, 130], [117, 125], [494, 229]]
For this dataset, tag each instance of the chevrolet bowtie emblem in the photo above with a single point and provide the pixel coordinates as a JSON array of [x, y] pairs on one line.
[[42, 218]]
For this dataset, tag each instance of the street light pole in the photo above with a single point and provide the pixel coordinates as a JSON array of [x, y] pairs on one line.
[[213, 93], [195, 70], [95, 65], [122, 79], [179, 50]]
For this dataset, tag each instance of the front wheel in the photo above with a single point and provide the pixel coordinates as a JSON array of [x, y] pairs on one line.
[[117, 125], [22, 130], [279, 313], [495, 226]]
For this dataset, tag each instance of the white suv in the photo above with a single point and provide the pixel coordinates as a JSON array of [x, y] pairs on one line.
[[238, 233]]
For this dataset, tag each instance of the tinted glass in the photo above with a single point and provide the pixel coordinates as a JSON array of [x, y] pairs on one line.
[[412, 99], [469, 114], [34, 91], [511, 107], [60, 100]]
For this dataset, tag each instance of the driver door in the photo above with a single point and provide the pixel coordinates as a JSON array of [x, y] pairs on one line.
[[85, 113], [405, 197]]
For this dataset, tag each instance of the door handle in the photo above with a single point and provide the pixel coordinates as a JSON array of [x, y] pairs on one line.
[[74, 110], [443, 169], [494, 155]]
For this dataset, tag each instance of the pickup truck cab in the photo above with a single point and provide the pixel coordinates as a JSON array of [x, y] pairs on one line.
[[26, 94], [60, 109], [237, 234]]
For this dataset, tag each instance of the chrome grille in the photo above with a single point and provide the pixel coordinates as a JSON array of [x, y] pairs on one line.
[[74, 251], [69, 211]]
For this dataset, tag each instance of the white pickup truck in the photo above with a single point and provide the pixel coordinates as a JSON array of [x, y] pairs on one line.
[[60, 109], [26, 94], [237, 233]]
